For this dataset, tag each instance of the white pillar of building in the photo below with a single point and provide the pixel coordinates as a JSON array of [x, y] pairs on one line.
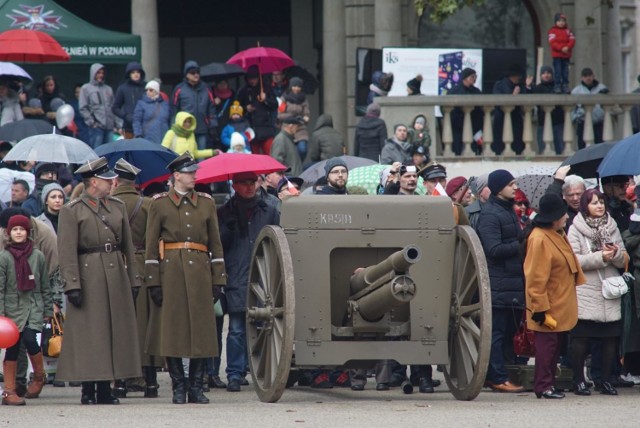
[[334, 63], [388, 23], [588, 50], [613, 51], [144, 23]]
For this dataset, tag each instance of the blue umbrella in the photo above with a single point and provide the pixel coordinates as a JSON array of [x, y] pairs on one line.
[[150, 157], [622, 159]]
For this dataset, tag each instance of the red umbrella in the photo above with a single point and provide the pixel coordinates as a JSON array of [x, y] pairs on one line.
[[267, 60], [225, 165], [30, 46]]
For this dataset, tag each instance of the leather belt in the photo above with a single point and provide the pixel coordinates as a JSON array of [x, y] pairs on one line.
[[186, 246], [106, 248]]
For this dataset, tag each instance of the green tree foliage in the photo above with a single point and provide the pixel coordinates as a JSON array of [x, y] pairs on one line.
[[439, 10]]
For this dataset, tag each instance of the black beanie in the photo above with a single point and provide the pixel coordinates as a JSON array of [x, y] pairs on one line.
[[546, 69], [414, 84], [498, 180], [466, 73]]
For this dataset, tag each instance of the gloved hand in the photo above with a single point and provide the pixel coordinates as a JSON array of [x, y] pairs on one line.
[[550, 322], [538, 317], [134, 292], [217, 292], [75, 297], [156, 295]]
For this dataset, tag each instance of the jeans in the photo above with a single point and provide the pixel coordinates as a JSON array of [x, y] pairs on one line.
[[561, 71], [302, 149], [99, 136], [213, 364], [202, 140], [598, 129], [236, 346], [502, 329], [558, 142]]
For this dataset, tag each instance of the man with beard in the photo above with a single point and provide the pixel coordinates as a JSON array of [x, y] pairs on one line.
[[408, 180], [241, 220], [337, 175]]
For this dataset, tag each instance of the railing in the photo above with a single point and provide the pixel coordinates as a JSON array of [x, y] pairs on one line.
[[616, 125]]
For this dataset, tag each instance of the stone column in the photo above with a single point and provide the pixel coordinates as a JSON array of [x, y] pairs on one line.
[[388, 23], [588, 50], [334, 56], [613, 37], [144, 22]]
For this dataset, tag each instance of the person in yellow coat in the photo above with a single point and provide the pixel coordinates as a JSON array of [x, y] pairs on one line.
[[552, 272], [180, 137]]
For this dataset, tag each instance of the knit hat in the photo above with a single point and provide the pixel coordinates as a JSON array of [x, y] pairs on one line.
[[152, 84], [50, 188], [455, 184], [19, 220], [236, 140], [332, 163], [559, 16], [552, 207], [236, 108], [498, 180], [420, 119], [373, 109], [546, 69], [414, 84], [35, 103], [296, 81], [56, 103], [466, 73], [479, 183]]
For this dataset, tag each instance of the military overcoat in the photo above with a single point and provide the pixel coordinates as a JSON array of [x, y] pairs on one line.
[[100, 340], [186, 318]]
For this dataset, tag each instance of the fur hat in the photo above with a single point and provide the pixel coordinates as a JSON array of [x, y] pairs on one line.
[[498, 180], [236, 108]]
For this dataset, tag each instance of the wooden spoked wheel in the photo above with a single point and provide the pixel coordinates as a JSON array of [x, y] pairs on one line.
[[270, 314], [470, 320]]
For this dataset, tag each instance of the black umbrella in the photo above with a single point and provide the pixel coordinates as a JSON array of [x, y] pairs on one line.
[[585, 161], [18, 130], [217, 71], [310, 82]]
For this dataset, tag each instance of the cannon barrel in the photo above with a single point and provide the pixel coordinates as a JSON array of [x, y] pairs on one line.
[[400, 290], [398, 262]]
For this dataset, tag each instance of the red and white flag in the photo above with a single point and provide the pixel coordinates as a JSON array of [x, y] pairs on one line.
[[439, 191]]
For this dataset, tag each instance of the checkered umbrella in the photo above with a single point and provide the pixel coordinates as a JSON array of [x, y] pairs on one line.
[[369, 178]]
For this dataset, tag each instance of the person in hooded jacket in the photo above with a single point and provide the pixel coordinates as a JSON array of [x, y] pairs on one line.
[[96, 100], [380, 85], [371, 134], [151, 115], [180, 138], [127, 96], [295, 103], [326, 142], [10, 110], [193, 96]]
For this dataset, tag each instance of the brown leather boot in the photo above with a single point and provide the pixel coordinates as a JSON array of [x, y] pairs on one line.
[[39, 376], [9, 396]]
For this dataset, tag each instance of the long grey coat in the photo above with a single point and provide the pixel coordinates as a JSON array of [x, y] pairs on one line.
[[100, 339]]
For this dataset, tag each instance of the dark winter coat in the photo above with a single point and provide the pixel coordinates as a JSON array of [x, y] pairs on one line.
[[238, 246], [501, 235], [326, 142], [557, 114], [284, 151], [127, 96], [151, 119], [371, 134], [197, 100], [394, 152], [262, 119]]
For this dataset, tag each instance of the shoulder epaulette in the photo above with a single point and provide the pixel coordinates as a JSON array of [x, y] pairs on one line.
[[114, 198], [73, 202], [160, 195], [204, 195]]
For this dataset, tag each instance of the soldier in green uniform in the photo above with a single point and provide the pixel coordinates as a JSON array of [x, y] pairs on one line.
[[96, 256], [137, 211], [183, 265]]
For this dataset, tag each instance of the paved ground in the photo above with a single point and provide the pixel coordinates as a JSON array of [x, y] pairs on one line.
[[305, 407]]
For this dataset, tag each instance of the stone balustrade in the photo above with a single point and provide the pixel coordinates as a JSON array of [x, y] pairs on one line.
[[616, 124]]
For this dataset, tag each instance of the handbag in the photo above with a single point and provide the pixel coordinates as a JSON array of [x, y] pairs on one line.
[[53, 346], [617, 286], [524, 340]]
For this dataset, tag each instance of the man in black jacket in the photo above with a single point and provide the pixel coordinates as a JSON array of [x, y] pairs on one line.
[[546, 86], [466, 86], [510, 85], [371, 134], [501, 236]]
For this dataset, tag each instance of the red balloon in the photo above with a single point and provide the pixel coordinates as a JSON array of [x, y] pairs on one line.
[[9, 333]]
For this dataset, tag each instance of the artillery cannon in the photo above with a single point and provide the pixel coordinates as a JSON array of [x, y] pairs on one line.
[[347, 281]]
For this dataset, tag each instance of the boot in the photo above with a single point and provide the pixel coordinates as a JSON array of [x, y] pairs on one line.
[[176, 372], [196, 371], [119, 389], [104, 394], [9, 396], [151, 379], [39, 376], [88, 393]]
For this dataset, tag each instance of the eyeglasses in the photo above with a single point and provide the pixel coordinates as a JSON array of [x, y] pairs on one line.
[[339, 172]]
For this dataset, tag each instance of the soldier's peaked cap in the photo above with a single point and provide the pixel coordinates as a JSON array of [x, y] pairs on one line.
[[183, 163], [96, 168], [125, 170]]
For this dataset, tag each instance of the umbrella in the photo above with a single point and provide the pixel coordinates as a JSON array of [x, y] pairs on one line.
[[369, 178], [310, 82], [223, 166], [10, 71], [30, 46], [21, 129], [585, 161], [150, 157], [7, 177], [315, 171], [268, 60], [623, 158], [534, 182], [54, 148], [221, 71]]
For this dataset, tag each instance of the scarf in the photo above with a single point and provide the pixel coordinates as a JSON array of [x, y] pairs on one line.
[[600, 234], [292, 98], [21, 253], [223, 94], [180, 131], [244, 209]]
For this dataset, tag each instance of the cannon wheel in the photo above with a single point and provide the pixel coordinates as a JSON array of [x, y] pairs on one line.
[[470, 323], [270, 309]]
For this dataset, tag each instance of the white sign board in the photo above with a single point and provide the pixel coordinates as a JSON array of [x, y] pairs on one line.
[[440, 68]]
